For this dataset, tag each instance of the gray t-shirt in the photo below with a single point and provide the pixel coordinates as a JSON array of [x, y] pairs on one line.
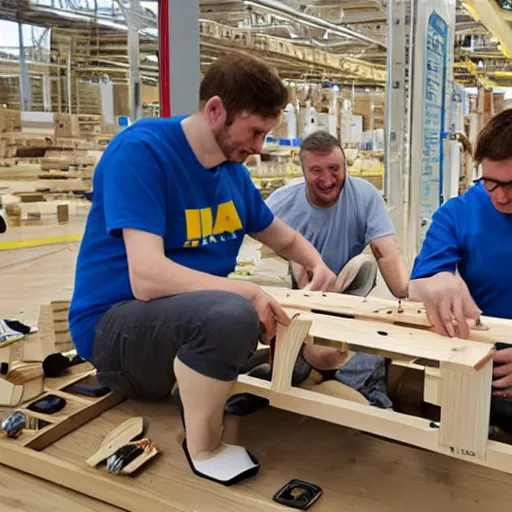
[[342, 231]]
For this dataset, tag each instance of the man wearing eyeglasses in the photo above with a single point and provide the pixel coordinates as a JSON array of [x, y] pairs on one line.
[[463, 269]]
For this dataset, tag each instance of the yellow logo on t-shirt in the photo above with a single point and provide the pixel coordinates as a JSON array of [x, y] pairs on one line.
[[203, 229]]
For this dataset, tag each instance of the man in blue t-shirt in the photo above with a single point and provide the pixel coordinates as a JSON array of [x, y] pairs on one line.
[[152, 304], [463, 270]]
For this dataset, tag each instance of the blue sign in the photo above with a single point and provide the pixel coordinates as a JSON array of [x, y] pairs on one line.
[[434, 105]]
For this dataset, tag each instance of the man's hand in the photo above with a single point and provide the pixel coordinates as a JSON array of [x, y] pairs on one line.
[[322, 278], [503, 373], [270, 312], [446, 298], [292, 246], [300, 274]]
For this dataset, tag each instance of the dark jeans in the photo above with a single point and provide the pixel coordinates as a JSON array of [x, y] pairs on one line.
[[212, 332]]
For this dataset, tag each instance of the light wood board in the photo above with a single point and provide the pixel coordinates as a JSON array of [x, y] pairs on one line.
[[357, 472], [382, 310]]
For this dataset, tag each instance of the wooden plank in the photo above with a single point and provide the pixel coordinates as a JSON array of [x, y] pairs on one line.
[[395, 339], [364, 473], [432, 386], [24, 493], [85, 481], [465, 399], [382, 310], [80, 415], [70, 376], [289, 341], [390, 424]]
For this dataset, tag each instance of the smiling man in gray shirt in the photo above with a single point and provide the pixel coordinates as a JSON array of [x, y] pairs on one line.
[[340, 215]]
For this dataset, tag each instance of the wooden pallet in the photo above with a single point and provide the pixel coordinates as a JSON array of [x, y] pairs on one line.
[[462, 389]]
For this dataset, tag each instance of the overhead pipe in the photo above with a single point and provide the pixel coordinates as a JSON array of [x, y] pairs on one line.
[[312, 21]]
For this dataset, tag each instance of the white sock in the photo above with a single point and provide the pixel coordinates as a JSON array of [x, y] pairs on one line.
[[229, 465]]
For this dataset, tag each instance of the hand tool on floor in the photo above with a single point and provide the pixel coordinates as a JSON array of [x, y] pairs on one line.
[[116, 438], [14, 424], [124, 456], [298, 494], [49, 404], [55, 364]]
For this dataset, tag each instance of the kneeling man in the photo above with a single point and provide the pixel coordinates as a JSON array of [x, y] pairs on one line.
[[340, 215]]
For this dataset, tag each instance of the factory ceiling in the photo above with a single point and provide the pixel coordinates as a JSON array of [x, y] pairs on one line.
[[338, 40]]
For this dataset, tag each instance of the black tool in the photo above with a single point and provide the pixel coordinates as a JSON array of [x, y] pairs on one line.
[[95, 390], [55, 364], [298, 494], [50, 404]]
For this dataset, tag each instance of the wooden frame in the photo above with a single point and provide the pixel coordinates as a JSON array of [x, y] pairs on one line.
[[461, 385]]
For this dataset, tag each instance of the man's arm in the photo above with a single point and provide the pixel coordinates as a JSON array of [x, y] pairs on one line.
[[433, 281], [154, 276], [291, 245], [391, 265]]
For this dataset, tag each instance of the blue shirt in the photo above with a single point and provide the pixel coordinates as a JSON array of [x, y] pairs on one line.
[[470, 235], [342, 231], [149, 179]]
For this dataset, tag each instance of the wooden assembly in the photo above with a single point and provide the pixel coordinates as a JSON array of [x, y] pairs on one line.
[[459, 380], [457, 373]]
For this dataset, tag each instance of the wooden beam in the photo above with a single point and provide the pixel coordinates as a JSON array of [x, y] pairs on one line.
[[397, 339], [465, 399], [410, 314], [84, 480]]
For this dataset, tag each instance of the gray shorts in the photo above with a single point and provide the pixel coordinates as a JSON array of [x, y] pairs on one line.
[[212, 332]]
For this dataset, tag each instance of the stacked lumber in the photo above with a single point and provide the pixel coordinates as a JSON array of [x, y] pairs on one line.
[[78, 164], [53, 327]]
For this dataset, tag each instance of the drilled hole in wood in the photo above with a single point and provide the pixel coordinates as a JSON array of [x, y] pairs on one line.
[[382, 333]]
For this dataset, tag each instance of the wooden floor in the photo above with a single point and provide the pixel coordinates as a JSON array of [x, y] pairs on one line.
[[23, 493], [29, 278], [358, 473]]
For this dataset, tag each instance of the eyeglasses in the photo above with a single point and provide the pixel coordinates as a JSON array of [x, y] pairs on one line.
[[491, 185]]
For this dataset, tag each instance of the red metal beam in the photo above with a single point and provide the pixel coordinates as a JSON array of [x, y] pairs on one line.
[[164, 58]]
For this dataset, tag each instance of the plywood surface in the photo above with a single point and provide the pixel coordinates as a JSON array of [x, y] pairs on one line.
[[382, 310], [23, 493], [357, 472]]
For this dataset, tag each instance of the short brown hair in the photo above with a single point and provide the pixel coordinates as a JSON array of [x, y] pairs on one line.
[[320, 142], [495, 140], [244, 83]]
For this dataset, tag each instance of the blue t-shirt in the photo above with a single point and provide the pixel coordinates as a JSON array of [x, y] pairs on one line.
[[470, 235], [342, 231], [149, 179]]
